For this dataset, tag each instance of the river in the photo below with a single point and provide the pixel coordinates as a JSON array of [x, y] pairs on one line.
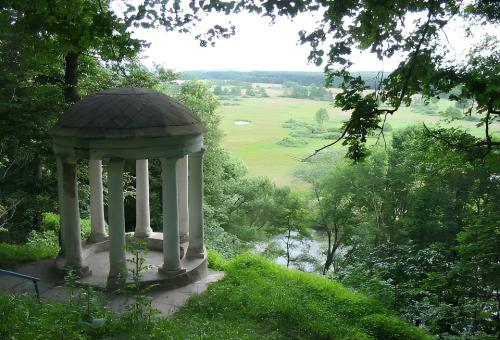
[[307, 254]]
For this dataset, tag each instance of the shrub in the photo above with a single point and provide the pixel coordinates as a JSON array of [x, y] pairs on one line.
[[427, 109], [387, 127], [452, 112], [216, 261], [85, 228], [391, 328], [471, 118], [50, 221], [326, 135], [40, 245], [301, 131], [289, 124], [292, 142], [222, 242]]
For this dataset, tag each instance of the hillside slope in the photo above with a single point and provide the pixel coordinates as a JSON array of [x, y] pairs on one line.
[[259, 299]]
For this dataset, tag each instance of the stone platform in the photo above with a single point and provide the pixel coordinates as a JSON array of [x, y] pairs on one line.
[[96, 257], [98, 263], [168, 295], [51, 288]]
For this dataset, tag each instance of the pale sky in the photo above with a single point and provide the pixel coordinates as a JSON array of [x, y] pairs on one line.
[[258, 45]]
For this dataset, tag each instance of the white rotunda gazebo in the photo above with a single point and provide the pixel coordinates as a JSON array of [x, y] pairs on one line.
[[131, 124]]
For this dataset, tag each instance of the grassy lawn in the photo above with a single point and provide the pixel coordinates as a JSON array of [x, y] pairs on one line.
[[256, 142]]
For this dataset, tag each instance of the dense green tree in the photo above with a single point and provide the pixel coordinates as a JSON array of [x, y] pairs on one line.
[[218, 90], [249, 91], [297, 91], [426, 236], [289, 218], [452, 112], [319, 93], [261, 92], [334, 199], [94, 27], [235, 91], [321, 116]]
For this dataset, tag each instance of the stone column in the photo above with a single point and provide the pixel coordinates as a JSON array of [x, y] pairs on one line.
[[196, 246], [171, 245], [116, 221], [97, 232], [182, 195], [70, 215], [62, 201], [142, 216]]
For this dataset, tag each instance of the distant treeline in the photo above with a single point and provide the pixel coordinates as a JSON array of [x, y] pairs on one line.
[[273, 77]]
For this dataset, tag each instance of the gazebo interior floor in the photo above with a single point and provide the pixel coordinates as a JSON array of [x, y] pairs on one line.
[[98, 264]]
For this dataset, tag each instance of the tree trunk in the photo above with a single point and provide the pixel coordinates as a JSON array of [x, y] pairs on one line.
[[288, 246], [71, 94], [328, 261], [332, 248], [37, 174]]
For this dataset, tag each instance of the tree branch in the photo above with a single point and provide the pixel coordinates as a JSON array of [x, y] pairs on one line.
[[331, 144], [403, 92]]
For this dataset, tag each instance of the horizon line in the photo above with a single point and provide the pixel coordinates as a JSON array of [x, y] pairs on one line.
[[236, 70]]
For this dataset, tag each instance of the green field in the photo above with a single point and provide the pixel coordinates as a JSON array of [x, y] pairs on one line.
[[256, 142]]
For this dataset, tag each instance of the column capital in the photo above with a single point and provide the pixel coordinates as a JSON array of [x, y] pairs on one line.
[[170, 160], [198, 154]]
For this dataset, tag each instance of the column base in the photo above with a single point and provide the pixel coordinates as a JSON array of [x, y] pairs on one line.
[[97, 238], [183, 238], [143, 234], [196, 253], [116, 281], [171, 273], [80, 272]]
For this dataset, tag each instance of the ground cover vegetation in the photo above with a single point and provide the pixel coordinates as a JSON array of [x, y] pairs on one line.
[[414, 226], [239, 306]]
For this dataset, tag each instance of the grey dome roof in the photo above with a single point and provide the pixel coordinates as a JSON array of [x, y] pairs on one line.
[[127, 113]]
